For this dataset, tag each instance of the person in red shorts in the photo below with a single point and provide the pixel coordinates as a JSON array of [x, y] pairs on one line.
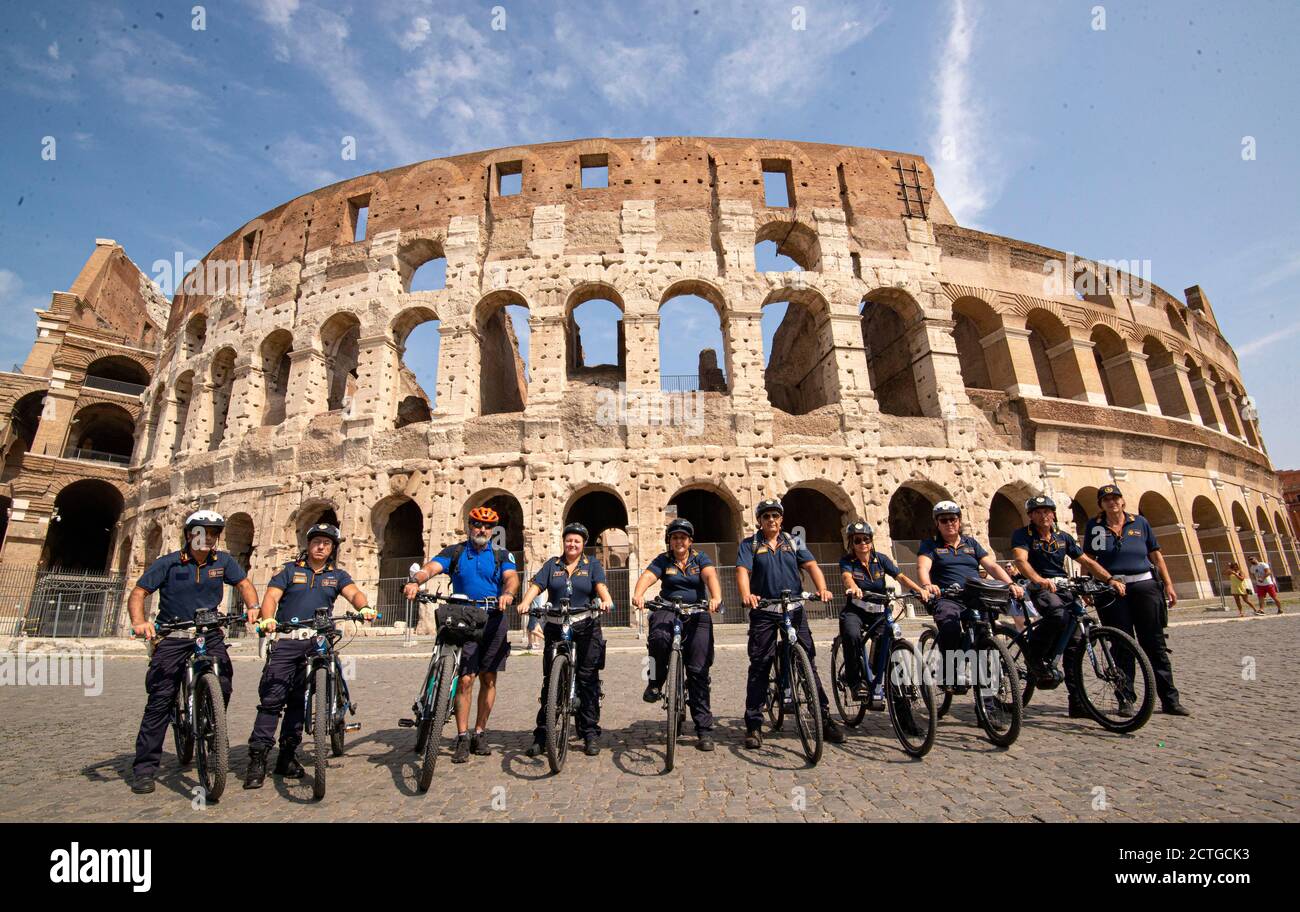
[[1261, 575]]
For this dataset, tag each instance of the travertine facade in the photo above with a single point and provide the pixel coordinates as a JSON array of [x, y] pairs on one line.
[[917, 359]]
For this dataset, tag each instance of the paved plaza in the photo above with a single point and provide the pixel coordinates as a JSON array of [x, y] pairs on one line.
[[66, 756]]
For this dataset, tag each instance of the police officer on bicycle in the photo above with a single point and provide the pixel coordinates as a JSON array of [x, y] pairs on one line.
[[773, 561], [864, 569], [478, 570], [187, 581], [686, 575], [1126, 547], [1040, 549], [580, 579], [311, 582], [950, 558]]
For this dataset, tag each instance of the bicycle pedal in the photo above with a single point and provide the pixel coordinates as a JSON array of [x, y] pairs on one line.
[[404, 723], [352, 727]]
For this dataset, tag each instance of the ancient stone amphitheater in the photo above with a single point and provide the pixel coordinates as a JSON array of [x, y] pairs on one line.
[[916, 360]]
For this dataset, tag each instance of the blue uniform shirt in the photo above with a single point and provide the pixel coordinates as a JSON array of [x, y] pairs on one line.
[[953, 566], [870, 578], [677, 581], [185, 586], [305, 590], [476, 572], [1046, 555], [579, 589], [1125, 554], [772, 571]]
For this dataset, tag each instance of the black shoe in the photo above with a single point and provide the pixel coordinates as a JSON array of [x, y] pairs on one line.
[[478, 745], [536, 749], [143, 784], [860, 692], [462, 749], [705, 743], [256, 774], [590, 747], [1126, 709], [652, 693], [1175, 709], [287, 765], [830, 731], [753, 738], [1078, 712]]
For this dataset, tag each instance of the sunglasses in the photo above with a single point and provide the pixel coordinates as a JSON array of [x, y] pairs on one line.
[[861, 540], [475, 524], [949, 519], [766, 517]]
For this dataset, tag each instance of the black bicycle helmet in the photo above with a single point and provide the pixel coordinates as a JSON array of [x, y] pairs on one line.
[[576, 528], [1039, 502], [680, 525], [325, 530], [767, 506], [858, 528]]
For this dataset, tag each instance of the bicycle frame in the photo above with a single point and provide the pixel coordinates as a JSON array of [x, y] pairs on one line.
[[882, 632]]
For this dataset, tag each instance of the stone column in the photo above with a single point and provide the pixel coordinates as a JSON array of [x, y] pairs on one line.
[[308, 391], [247, 395], [1011, 362], [198, 421], [1131, 381], [458, 370], [546, 359], [1076, 371], [1173, 379], [378, 365], [56, 418], [1203, 393], [936, 368]]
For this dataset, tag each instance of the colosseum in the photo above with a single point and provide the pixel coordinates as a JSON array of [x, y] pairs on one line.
[[915, 360]]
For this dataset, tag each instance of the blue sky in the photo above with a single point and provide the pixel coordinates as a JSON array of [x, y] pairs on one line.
[[1122, 142]]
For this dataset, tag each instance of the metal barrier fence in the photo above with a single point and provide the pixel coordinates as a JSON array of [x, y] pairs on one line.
[[60, 603]]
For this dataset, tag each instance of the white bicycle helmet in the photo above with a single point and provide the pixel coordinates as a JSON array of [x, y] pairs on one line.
[[946, 508], [208, 519]]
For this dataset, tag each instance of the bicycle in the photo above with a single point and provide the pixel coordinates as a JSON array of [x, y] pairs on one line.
[[791, 683], [459, 621], [1109, 696], [901, 679], [674, 689], [326, 703], [998, 707], [562, 687], [199, 713]]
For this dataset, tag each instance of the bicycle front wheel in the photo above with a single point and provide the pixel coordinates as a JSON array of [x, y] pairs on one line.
[[673, 684], [932, 661], [1114, 680], [557, 712], [807, 708], [850, 708], [441, 707], [182, 734], [911, 699], [213, 746], [1017, 643], [997, 693], [321, 724], [775, 704]]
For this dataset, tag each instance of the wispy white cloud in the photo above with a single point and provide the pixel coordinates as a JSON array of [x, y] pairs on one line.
[[961, 150], [416, 34], [17, 302], [305, 162], [1262, 342]]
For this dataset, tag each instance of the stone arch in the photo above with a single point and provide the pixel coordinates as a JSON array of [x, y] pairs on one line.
[[503, 372], [1053, 353], [310, 512], [910, 518], [1214, 540], [973, 322], [275, 364], [1083, 506], [182, 395], [417, 256], [1286, 542], [24, 422], [153, 544], [86, 513], [1176, 321], [801, 374], [1108, 349], [716, 514], [414, 380], [117, 369], [1160, 513], [397, 523], [102, 430], [1202, 393], [1227, 407], [340, 337], [576, 366], [822, 510], [890, 320], [1270, 539], [795, 240], [1006, 515], [240, 536], [196, 335], [512, 525], [601, 509], [1245, 531], [688, 329], [222, 377]]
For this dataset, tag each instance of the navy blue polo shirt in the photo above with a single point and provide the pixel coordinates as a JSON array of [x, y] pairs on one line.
[[1046, 555], [476, 573], [681, 581], [955, 565], [305, 590], [869, 578], [1125, 554], [773, 570], [579, 589], [185, 586]]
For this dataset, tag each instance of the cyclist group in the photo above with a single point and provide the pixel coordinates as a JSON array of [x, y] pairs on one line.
[[1119, 549]]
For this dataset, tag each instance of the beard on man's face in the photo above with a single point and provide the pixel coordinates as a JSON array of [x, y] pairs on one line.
[[479, 539]]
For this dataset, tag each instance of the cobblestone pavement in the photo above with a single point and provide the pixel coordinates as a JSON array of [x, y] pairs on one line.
[[65, 756]]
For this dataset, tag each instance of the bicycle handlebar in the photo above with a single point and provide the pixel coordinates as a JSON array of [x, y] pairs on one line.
[[489, 603], [660, 604], [315, 621], [199, 620], [786, 599]]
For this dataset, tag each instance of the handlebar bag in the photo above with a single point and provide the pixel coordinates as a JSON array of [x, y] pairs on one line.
[[461, 623], [987, 595]]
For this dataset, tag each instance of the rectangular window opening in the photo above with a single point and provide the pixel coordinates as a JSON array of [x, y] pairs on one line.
[[778, 183], [359, 216], [510, 178], [595, 171]]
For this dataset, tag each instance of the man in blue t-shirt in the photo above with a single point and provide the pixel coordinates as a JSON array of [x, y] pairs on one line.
[[478, 570], [187, 581], [309, 583], [768, 563]]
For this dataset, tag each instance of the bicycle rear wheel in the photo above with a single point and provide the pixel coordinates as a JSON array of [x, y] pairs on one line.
[[557, 712], [807, 708], [1017, 643], [851, 709], [910, 699], [1120, 699], [213, 746], [674, 695], [321, 724], [441, 707], [997, 701], [932, 659]]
